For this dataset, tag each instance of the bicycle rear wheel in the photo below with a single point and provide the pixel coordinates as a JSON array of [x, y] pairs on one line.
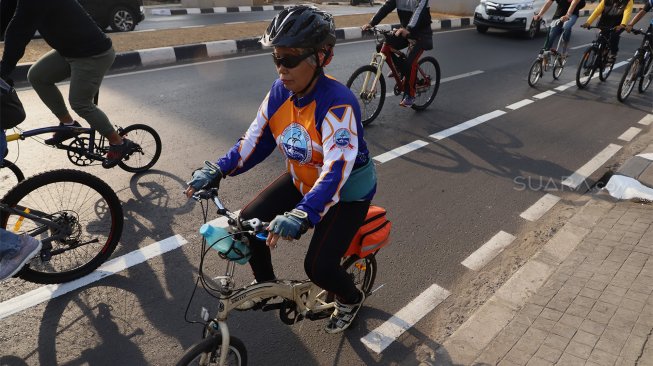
[[10, 175], [208, 350], [149, 148], [362, 271], [645, 80], [586, 68], [535, 73], [370, 100], [628, 79], [427, 82], [87, 211]]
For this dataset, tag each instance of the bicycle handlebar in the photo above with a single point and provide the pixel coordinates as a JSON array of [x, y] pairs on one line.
[[638, 31], [254, 225]]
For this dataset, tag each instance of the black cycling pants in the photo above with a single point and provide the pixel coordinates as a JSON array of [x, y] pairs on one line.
[[613, 38], [409, 67], [331, 237]]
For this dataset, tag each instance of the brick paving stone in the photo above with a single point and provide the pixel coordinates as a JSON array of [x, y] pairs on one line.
[[602, 358], [596, 285], [633, 269], [610, 243], [627, 273], [612, 341], [536, 361], [618, 255], [548, 353], [571, 289], [645, 288], [579, 349], [559, 303], [638, 228], [571, 320], [583, 273], [592, 327], [591, 293], [611, 298], [578, 281], [645, 319], [641, 330], [551, 314], [646, 250], [635, 259], [612, 289], [633, 305], [631, 238], [633, 346], [543, 324], [614, 235], [564, 330], [518, 357], [622, 282], [584, 301], [570, 360], [540, 299], [531, 310], [604, 308], [556, 342], [634, 295], [598, 233], [508, 363], [578, 310], [585, 338]]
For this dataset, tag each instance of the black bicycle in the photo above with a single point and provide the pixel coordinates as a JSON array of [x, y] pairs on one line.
[[640, 67], [595, 58]]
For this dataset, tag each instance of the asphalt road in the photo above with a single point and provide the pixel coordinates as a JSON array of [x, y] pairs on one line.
[[445, 199]]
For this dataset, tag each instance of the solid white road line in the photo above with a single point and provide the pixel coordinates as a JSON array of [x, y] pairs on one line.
[[629, 134], [488, 251], [401, 150], [520, 104], [539, 208], [109, 268], [574, 180], [646, 120], [545, 94], [466, 125], [383, 336]]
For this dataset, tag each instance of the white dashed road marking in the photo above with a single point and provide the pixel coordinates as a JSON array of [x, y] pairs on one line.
[[467, 125], [574, 180], [402, 150], [539, 208], [630, 134], [488, 251], [520, 104]]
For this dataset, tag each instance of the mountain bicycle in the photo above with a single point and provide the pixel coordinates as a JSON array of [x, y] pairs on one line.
[[548, 59], [295, 300], [368, 83], [640, 67], [76, 216], [89, 147], [595, 58]]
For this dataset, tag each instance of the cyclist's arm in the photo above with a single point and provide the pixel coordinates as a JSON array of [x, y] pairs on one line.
[[627, 12], [572, 7], [637, 18], [20, 31], [383, 11], [340, 148], [256, 145], [546, 7], [596, 13], [419, 15]]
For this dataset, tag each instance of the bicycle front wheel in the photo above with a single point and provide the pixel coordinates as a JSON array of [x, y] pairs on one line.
[[369, 98], [586, 68], [208, 350], [89, 223], [535, 73], [558, 66], [605, 71], [427, 82], [628, 79], [148, 151], [10, 175], [645, 80]]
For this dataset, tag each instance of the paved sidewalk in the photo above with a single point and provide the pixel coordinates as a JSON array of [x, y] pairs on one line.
[[586, 298]]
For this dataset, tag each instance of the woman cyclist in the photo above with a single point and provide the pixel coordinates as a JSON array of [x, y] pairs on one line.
[[614, 17], [330, 180], [567, 11]]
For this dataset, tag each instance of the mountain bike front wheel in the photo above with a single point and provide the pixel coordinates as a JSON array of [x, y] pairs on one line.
[[586, 68], [628, 79], [427, 82], [148, 151], [10, 175], [535, 73], [645, 80], [88, 218], [208, 351], [604, 72], [369, 98]]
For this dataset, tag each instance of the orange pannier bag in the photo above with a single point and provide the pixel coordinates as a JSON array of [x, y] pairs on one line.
[[373, 235]]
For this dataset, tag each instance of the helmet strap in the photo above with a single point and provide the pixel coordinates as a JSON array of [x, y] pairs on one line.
[[318, 69]]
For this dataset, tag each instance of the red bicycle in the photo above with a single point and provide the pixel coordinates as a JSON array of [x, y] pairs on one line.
[[368, 83]]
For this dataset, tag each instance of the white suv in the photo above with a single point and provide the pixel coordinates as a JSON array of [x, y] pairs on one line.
[[515, 15]]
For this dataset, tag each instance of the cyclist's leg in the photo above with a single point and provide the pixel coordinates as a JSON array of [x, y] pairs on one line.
[[566, 33], [330, 241], [615, 37], [85, 79], [410, 70], [554, 33], [279, 197], [397, 43], [51, 68]]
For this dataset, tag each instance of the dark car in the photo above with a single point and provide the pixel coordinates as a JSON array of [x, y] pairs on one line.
[[120, 15]]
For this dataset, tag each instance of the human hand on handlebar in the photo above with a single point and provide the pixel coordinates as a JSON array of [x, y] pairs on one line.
[[289, 226], [402, 32], [564, 18], [209, 174], [366, 27], [585, 25]]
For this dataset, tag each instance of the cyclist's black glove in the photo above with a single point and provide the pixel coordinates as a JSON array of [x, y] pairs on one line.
[[292, 224], [208, 176]]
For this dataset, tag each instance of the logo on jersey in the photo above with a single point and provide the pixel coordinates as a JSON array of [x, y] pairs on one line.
[[342, 139], [296, 143]]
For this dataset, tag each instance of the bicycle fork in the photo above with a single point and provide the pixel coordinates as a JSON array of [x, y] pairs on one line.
[[377, 61], [223, 330]]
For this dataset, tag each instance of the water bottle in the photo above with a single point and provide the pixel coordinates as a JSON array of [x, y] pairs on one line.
[[219, 239]]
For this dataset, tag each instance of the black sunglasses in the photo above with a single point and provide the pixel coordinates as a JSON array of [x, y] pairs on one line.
[[290, 61]]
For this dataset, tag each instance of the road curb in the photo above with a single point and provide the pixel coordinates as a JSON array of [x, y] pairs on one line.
[[219, 9], [218, 49], [475, 334]]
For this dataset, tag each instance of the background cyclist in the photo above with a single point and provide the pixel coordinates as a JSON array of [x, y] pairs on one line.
[[330, 180], [567, 11], [614, 17], [415, 20], [648, 5], [81, 51]]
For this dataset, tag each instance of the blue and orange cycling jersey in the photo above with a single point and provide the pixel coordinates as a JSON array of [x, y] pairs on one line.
[[320, 135]]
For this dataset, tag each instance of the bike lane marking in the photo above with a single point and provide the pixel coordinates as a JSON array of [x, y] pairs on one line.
[[488, 251], [646, 120], [629, 134], [539, 208], [545, 94], [467, 125], [521, 103], [401, 150], [385, 334], [49, 292], [574, 180], [448, 79]]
